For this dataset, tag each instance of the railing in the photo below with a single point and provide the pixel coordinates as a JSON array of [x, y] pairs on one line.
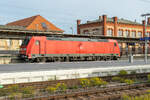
[[124, 51], [14, 52]]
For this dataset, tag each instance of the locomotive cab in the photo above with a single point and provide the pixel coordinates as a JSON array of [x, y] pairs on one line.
[[23, 47], [32, 47]]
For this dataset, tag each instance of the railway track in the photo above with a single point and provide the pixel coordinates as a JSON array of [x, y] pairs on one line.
[[111, 91], [108, 93]]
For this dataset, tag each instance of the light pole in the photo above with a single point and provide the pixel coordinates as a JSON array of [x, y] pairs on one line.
[[146, 40], [71, 29]]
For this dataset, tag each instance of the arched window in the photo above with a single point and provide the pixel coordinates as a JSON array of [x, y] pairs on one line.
[[139, 34], [109, 32], [126, 34], [120, 33], [133, 34]]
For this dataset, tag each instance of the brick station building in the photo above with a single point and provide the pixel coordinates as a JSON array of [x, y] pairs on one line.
[[13, 32], [34, 23], [116, 27]]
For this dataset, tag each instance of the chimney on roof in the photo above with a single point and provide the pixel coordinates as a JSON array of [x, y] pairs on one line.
[[143, 22], [105, 17], [100, 17], [115, 19], [88, 21], [78, 26], [78, 22], [148, 21], [135, 20]]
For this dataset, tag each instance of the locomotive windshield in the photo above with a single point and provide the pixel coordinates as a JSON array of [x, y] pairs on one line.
[[26, 41]]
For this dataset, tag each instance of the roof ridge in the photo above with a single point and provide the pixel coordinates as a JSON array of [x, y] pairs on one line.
[[27, 18], [33, 19]]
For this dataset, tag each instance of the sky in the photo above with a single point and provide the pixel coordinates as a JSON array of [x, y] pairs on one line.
[[64, 13]]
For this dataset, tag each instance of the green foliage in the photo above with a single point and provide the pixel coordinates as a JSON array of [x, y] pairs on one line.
[[123, 72], [143, 97], [133, 72], [13, 89], [148, 91], [148, 76], [122, 80], [128, 81], [61, 86], [50, 89], [3, 92], [125, 97], [84, 82], [116, 79], [27, 91], [15, 96], [74, 87], [97, 81]]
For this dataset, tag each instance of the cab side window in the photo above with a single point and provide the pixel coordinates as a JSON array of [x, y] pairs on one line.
[[37, 42], [115, 44]]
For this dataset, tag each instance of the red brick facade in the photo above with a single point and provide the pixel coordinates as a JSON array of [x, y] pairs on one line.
[[128, 27], [115, 27]]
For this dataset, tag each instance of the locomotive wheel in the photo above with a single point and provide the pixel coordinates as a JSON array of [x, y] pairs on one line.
[[31, 60], [37, 60], [105, 58], [43, 60], [115, 58]]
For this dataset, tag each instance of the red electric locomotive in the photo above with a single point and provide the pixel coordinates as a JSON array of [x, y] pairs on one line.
[[42, 48]]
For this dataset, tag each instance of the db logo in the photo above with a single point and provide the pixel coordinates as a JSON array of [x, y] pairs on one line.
[[80, 46]]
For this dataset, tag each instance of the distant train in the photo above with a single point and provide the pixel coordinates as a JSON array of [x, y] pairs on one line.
[[43, 49]]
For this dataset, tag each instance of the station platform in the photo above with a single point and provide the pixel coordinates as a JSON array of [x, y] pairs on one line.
[[26, 72]]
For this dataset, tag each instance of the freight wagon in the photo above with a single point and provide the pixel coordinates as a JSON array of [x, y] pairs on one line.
[[42, 49]]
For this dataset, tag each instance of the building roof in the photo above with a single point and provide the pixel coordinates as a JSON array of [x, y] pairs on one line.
[[23, 22], [124, 21], [35, 23]]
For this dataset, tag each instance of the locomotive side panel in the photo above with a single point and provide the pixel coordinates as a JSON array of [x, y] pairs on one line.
[[61, 47], [42, 48]]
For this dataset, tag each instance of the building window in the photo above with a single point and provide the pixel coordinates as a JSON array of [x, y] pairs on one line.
[[9, 42], [126, 33], [139, 34], [95, 31], [85, 31], [44, 25], [133, 34], [147, 34], [109, 32], [120, 33], [20, 42]]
